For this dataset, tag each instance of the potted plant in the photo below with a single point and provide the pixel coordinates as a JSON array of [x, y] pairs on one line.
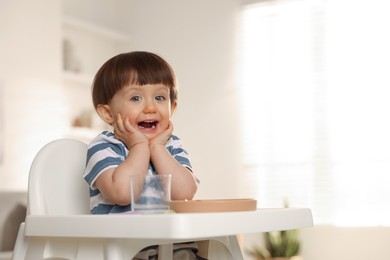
[[278, 245]]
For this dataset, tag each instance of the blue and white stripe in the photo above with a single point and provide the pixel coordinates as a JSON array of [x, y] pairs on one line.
[[105, 152]]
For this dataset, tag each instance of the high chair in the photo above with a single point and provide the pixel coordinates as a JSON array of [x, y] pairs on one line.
[[59, 224]]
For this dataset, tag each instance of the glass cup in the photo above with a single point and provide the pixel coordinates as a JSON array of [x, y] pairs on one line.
[[150, 193]]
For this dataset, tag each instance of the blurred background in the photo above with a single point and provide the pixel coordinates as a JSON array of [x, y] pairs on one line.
[[279, 100]]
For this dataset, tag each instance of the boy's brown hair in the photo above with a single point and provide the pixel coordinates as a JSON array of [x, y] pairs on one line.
[[139, 68]]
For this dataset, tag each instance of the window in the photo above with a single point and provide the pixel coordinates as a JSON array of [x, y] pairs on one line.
[[315, 109]]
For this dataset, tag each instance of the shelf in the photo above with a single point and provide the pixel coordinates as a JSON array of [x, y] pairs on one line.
[[96, 29], [77, 78], [86, 46]]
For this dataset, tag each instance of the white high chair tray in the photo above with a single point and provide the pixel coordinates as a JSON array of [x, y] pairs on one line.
[[168, 226]]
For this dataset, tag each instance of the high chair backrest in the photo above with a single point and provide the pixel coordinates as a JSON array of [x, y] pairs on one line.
[[56, 185]]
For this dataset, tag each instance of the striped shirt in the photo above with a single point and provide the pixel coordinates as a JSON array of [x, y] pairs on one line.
[[105, 152]]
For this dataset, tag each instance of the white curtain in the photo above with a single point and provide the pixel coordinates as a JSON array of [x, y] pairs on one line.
[[315, 84]]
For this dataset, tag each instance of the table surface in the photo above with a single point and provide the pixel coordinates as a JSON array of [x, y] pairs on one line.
[[173, 226]]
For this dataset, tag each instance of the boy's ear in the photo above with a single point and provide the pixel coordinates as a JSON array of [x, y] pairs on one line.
[[173, 107], [105, 113]]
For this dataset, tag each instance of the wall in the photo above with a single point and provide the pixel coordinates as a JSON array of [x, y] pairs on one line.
[[198, 39], [341, 243], [32, 94]]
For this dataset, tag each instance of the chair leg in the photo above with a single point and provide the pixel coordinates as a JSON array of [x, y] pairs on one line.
[[225, 248], [113, 250], [165, 252], [203, 248], [20, 248]]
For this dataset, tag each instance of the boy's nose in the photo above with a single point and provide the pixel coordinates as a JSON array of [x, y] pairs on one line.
[[149, 107]]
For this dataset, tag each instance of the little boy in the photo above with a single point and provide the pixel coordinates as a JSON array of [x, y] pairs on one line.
[[136, 94]]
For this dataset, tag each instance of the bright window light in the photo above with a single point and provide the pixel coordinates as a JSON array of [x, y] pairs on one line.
[[315, 102]]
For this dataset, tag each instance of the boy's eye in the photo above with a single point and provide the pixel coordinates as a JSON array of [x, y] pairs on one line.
[[135, 98], [160, 98]]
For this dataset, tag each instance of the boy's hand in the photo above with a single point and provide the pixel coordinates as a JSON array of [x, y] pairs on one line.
[[125, 132], [163, 137]]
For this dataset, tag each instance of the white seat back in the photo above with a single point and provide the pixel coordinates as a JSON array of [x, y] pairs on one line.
[[56, 185]]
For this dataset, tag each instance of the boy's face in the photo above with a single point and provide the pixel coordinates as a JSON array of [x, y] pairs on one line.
[[147, 107]]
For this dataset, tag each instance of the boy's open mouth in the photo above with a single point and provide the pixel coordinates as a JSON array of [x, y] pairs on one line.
[[147, 124]]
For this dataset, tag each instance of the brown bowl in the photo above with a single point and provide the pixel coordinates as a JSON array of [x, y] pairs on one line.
[[214, 205]]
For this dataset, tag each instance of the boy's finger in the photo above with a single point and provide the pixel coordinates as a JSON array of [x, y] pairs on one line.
[[119, 123], [128, 127]]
